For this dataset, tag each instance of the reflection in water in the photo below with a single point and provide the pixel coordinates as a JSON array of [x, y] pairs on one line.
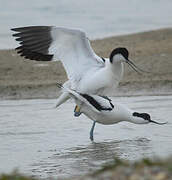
[[79, 160]]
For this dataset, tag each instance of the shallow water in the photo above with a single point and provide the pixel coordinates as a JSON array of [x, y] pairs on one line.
[[43, 141], [98, 18]]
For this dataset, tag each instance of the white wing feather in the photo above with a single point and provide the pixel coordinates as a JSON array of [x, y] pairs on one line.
[[73, 49]]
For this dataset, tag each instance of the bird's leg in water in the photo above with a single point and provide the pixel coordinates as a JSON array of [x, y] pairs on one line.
[[92, 130], [77, 112]]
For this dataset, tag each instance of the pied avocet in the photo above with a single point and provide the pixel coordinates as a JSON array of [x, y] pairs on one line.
[[102, 110]]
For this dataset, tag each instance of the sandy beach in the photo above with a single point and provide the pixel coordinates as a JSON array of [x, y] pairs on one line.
[[151, 51]]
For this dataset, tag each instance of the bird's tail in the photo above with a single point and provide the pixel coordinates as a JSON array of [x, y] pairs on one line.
[[63, 97], [72, 93], [65, 89], [60, 86]]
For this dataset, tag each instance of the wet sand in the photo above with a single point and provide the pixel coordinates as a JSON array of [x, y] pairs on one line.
[[151, 51]]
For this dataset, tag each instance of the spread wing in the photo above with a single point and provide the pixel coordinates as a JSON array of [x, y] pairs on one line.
[[46, 43]]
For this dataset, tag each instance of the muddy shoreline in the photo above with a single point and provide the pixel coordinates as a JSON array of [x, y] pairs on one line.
[[143, 169], [151, 51]]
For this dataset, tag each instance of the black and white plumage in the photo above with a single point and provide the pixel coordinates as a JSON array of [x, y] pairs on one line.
[[35, 42], [102, 110], [87, 72], [98, 105]]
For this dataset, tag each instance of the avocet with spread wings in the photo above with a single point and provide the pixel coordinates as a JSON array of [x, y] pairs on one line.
[[87, 72]]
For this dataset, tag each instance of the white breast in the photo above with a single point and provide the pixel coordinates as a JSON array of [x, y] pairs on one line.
[[118, 114]]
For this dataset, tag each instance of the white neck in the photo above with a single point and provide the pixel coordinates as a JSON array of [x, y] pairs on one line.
[[116, 68], [124, 113], [138, 120]]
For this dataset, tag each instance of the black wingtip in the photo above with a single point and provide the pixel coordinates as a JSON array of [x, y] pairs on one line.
[[19, 29], [35, 42], [16, 35], [15, 29], [18, 48], [12, 29]]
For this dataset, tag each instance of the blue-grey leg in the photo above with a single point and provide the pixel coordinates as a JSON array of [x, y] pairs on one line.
[[92, 130]]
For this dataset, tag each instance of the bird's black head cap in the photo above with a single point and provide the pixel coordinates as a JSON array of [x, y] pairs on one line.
[[145, 116], [121, 50]]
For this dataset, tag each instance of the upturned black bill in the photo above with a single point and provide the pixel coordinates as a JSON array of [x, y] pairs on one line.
[[133, 66], [157, 122]]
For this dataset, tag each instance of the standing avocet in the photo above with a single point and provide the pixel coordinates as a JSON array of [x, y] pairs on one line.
[[102, 110]]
